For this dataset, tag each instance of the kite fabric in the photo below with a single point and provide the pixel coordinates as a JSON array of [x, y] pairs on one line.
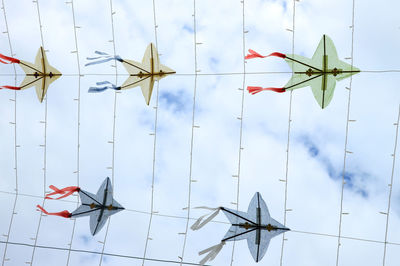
[[320, 72], [140, 74], [39, 74], [99, 207], [257, 226]]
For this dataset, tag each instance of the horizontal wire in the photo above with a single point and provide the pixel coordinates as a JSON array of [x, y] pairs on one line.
[[211, 74], [97, 252], [212, 221]]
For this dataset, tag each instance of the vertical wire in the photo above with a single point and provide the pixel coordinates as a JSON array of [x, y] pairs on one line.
[[391, 186], [288, 139], [241, 121], [346, 141], [192, 136], [113, 131], [15, 138], [154, 148], [78, 125], [45, 141]]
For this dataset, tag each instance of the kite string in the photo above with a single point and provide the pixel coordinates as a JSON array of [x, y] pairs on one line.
[[113, 128], [78, 124], [15, 137], [45, 139], [346, 141], [192, 133], [288, 138], [154, 147], [241, 120], [391, 185]]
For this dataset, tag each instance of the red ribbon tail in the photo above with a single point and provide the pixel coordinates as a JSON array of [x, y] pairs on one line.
[[10, 87], [65, 213], [65, 192], [7, 58], [254, 54], [254, 90]]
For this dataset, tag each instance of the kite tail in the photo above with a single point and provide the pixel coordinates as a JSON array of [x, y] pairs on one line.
[[10, 59], [212, 252], [102, 58], [101, 89], [65, 192], [65, 213], [10, 87], [203, 220], [254, 54], [254, 90]]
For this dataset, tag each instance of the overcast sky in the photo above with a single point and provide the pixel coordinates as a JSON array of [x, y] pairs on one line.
[[317, 137]]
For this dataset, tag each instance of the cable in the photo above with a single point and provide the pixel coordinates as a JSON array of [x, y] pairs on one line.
[[346, 141], [391, 185], [113, 129], [192, 133], [154, 147], [15, 138], [98, 253], [45, 140], [78, 124], [288, 139]]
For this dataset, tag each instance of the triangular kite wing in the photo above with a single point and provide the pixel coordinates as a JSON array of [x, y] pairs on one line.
[[300, 65], [89, 204], [109, 207], [323, 89], [258, 244]]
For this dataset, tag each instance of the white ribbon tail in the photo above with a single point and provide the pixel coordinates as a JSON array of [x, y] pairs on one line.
[[203, 220], [108, 84], [212, 252], [104, 58]]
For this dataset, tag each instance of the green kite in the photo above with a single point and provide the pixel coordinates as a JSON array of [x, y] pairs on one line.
[[320, 72]]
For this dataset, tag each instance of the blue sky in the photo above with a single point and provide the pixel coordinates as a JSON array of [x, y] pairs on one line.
[[317, 136]]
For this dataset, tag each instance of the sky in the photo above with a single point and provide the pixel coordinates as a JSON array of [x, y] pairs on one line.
[[207, 158]]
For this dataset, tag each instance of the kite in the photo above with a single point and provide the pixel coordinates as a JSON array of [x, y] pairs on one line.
[[40, 74], [256, 226], [320, 72], [140, 74], [99, 207]]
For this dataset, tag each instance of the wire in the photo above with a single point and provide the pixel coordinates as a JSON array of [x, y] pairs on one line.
[[113, 128], [241, 121], [15, 138], [154, 147], [78, 123], [288, 139], [192, 133], [391, 185], [346, 141], [98, 253], [45, 139]]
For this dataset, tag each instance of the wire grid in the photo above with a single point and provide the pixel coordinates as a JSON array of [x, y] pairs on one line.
[[391, 186], [346, 141], [241, 120], [192, 133], [154, 147], [188, 218], [285, 210], [15, 137], [78, 100], [113, 128], [42, 145]]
